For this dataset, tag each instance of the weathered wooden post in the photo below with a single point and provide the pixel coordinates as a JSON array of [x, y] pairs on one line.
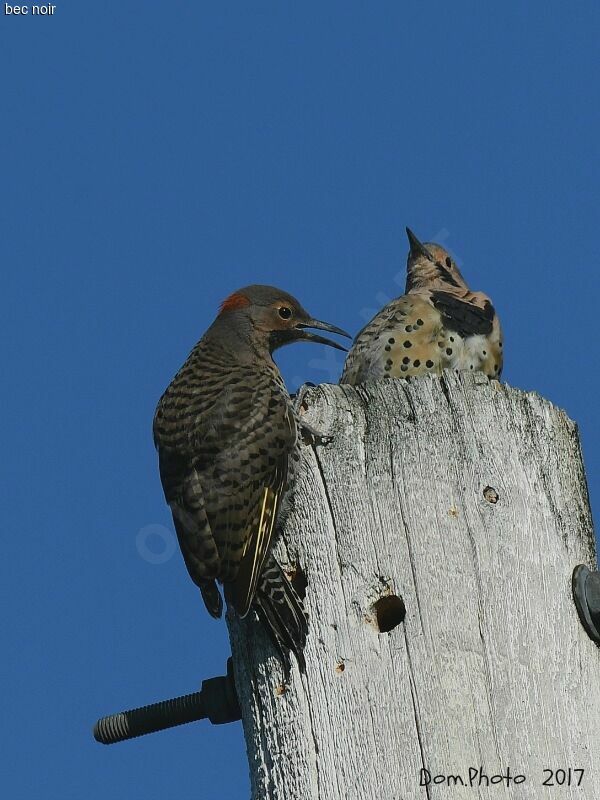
[[466, 499]]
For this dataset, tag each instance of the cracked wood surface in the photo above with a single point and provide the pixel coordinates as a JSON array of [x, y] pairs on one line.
[[490, 667]]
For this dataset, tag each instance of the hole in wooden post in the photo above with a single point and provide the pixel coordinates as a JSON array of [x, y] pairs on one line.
[[389, 612], [297, 577], [490, 494]]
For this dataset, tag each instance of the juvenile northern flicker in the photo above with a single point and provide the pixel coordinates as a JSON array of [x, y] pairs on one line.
[[439, 323], [227, 437]]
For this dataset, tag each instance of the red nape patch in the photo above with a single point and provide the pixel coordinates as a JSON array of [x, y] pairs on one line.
[[233, 302]]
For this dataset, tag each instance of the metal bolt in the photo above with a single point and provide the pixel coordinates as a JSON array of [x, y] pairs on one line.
[[217, 701], [586, 593]]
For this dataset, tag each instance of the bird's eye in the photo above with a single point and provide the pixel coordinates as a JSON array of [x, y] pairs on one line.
[[285, 312], [448, 262]]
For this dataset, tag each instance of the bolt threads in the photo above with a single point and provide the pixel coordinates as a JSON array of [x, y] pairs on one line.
[[149, 719]]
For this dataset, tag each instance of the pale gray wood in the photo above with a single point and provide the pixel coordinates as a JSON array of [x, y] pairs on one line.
[[491, 667]]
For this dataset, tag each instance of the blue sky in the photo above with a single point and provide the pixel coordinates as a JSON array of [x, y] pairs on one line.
[[154, 158]]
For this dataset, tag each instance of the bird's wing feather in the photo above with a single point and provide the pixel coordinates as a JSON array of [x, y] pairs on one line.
[[272, 436], [245, 487], [183, 489], [463, 315], [258, 540]]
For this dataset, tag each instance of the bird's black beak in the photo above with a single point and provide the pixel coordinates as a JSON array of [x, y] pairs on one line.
[[322, 326], [417, 248]]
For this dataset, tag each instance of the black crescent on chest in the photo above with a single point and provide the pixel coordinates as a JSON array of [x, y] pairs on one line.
[[464, 318]]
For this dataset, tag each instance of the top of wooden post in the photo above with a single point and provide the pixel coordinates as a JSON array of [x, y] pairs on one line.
[[467, 500]]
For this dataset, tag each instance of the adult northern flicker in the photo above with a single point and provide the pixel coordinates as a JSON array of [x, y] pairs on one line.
[[227, 437], [439, 323]]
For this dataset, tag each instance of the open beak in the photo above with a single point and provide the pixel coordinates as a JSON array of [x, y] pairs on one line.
[[322, 326], [417, 248]]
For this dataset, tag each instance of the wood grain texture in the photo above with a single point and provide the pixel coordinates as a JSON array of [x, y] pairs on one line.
[[490, 667]]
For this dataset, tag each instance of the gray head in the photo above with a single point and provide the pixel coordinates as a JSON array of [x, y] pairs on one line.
[[271, 317], [429, 266]]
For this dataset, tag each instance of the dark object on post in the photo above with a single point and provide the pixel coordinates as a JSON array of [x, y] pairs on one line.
[[216, 701], [586, 593], [389, 612]]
